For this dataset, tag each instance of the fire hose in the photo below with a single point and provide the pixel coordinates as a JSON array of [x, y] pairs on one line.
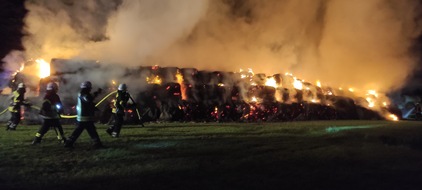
[[96, 105], [4, 111], [69, 116]]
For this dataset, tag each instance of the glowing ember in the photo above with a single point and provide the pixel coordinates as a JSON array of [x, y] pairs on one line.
[[44, 68], [221, 84], [297, 84], [253, 99], [372, 92], [154, 80], [318, 83], [315, 101], [271, 82], [371, 102], [393, 117]]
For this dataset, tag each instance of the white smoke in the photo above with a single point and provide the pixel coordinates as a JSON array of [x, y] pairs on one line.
[[361, 44]]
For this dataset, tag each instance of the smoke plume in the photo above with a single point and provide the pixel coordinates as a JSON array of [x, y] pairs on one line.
[[361, 44]]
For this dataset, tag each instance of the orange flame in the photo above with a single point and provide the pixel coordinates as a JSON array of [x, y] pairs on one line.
[[271, 82], [154, 80], [180, 80], [393, 117], [297, 84], [44, 68]]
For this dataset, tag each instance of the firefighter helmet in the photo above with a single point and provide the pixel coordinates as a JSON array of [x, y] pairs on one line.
[[122, 87], [86, 84], [21, 85], [52, 86]]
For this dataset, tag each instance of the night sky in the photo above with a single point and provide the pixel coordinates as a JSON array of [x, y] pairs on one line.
[[11, 23], [13, 13]]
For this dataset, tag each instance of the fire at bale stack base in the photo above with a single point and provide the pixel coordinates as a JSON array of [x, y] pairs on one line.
[[186, 94]]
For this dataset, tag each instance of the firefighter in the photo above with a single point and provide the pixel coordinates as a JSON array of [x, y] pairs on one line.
[[85, 116], [122, 97], [18, 99], [418, 111], [50, 112]]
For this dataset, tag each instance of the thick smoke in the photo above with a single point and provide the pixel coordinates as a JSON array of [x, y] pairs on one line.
[[361, 44]]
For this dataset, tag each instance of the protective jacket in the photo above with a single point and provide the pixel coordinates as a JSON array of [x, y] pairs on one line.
[[120, 103], [51, 107], [85, 108], [18, 99]]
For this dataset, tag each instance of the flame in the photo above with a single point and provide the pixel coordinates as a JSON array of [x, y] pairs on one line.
[[44, 68], [297, 84], [318, 83], [373, 92], [249, 74], [113, 82], [154, 80], [315, 101], [351, 89], [254, 99], [271, 82], [180, 80], [221, 84], [371, 102], [393, 117]]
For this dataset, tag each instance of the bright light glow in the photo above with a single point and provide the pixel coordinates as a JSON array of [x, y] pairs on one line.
[[253, 99], [154, 80], [351, 90], [297, 84], [180, 80], [373, 92], [318, 83], [271, 82], [393, 117], [384, 104], [44, 68], [315, 101], [371, 103]]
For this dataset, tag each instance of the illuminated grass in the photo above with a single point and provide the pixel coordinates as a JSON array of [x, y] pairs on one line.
[[292, 155]]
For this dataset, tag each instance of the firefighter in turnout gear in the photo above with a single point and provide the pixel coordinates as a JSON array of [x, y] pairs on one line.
[[418, 111], [50, 112], [85, 116], [18, 99], [122, 97]]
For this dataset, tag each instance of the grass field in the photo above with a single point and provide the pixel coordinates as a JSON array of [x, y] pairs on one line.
[[291, 155]]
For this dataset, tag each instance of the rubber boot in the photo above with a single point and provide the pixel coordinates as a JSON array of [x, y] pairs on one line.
[[109, 131], [37, 140]]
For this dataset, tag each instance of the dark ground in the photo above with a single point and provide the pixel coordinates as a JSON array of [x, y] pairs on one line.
[[291, 155]]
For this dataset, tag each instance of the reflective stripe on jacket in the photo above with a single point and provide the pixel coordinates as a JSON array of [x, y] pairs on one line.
[[17, 101], [51, 107], [120, 103], [86, 108]]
